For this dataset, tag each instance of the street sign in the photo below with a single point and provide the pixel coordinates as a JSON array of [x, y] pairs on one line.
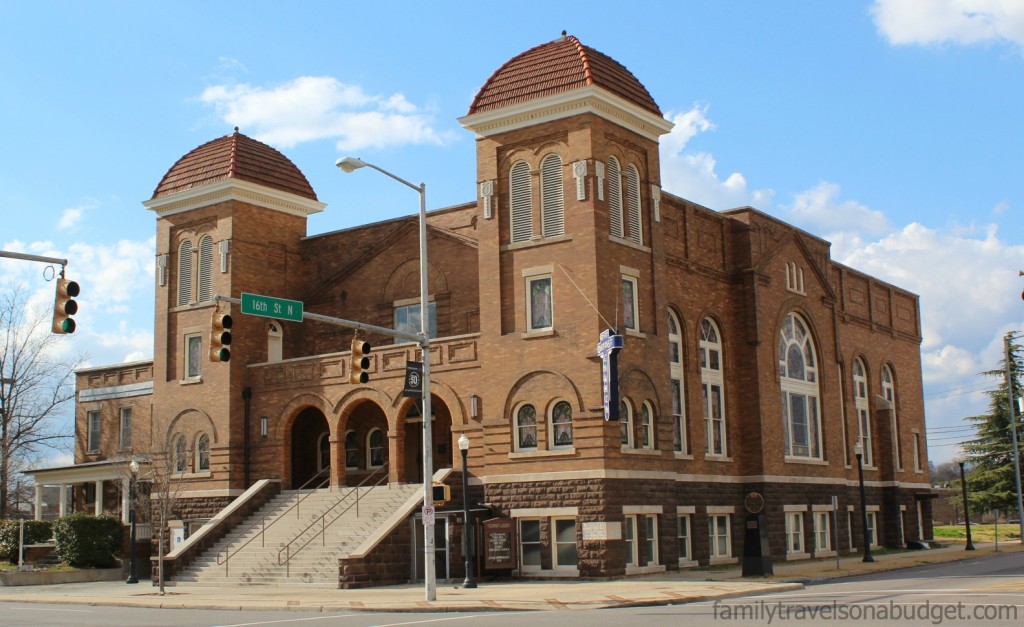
[[428, 515], [608, 348], [270, 307]]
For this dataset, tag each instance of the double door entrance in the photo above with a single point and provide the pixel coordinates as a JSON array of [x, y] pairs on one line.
[[443, 524]]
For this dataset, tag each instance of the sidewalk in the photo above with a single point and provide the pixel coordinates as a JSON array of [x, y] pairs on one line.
[[664, 589]]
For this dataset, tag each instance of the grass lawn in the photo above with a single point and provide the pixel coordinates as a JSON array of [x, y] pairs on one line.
[[979, 533]]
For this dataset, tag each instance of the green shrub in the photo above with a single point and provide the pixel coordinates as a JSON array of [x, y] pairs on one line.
[[87, 541], [36, 531]]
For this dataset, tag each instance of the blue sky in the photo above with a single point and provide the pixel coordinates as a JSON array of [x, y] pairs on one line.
[[890, 128]]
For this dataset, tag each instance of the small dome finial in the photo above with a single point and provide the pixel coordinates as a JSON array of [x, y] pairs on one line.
[[563, 34], [236, 129]]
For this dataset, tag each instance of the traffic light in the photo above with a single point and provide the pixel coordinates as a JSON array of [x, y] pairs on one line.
[[440, 494], [220, 337], [65, 306], [360, 361]]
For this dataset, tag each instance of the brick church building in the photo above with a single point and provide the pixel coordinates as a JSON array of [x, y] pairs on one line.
[[751, 362]]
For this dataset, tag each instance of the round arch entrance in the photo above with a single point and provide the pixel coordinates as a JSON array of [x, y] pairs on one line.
[[310, 446], [440, 432]]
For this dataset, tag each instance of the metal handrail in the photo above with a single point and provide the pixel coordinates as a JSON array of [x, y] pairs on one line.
[[226, 551], [323, 517]]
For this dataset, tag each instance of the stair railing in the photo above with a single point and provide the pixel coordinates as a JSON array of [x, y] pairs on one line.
[[322, 519], [323, 477]]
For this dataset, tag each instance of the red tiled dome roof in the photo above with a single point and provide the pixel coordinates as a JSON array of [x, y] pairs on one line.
[[239, 157], [555, 67]]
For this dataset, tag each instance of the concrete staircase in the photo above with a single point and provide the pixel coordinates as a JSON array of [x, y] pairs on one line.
[[323, 526]]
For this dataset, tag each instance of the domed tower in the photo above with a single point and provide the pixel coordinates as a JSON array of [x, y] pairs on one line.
[[230, 215], [568, 175]]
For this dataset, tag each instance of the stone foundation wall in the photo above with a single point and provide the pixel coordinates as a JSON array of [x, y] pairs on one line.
[[389, 563]]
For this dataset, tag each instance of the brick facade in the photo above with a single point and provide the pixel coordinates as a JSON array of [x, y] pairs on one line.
[[745, 274]]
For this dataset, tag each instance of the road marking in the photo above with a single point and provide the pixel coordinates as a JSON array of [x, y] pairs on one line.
[[290, 620], [48, 609], [334, 616]]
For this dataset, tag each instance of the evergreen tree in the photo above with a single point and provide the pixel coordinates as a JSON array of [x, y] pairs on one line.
[[991, 481]]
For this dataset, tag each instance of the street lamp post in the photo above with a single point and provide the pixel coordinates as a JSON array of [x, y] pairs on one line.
[[967, 512], [132, 483], [858, 451], [349, 164], [464, 448]]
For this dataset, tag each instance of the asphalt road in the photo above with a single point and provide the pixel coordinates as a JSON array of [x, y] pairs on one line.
[[979, 593]]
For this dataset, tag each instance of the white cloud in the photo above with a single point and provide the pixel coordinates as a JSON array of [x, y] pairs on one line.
[[692, 175], [318, 107], [964, 22], [819, 210]]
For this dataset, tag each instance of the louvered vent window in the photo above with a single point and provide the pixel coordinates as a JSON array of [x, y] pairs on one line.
[[615, 197], [205, 268], [522, 205], [185, 272], [633, 205], [551, 200]]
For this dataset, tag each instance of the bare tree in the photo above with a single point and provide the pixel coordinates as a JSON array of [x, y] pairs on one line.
[[165, 475], [36, 385]]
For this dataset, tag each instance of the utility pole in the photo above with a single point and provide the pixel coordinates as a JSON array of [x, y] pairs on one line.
[[1013, 432]]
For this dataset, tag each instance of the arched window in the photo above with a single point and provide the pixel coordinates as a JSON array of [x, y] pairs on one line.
[[712, 383], [633, 221], [275, 342], [351, 450], [626, 422], [798, 379], [646, 426], [615, 197], [185, 273], [180, 459], [205, 268], [889, 393], [863, 408], [521, 193], [203, 453], [675, 373], [376, 449], [561, 424], [552, 205], [526, 428], [323, 451]]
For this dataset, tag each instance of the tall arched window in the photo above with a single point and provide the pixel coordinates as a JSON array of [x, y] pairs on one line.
[[526, 428], [646, 426], [521, 193], [552, 205], [863, 408], [798, 379], [626, 422], [675, 373], [203, 453], [180, 459], [205, 268], [615, 197], [323, 451], [633, 220], [712, 383], [275, 342], [351, 450], [185, 273], [376, 448], [889, 392], [561, 424]]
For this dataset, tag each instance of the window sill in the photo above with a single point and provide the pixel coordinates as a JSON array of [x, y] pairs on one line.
[[555, 452], [818, 554], [681, 455], [641, 451], [529, 335], [635, 333], [645, 570], [190, 381], [717, 458], [688, 563], [537, 241], [193, 475], [797, 556], [805, 460], [715, 561], [628, 242]]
